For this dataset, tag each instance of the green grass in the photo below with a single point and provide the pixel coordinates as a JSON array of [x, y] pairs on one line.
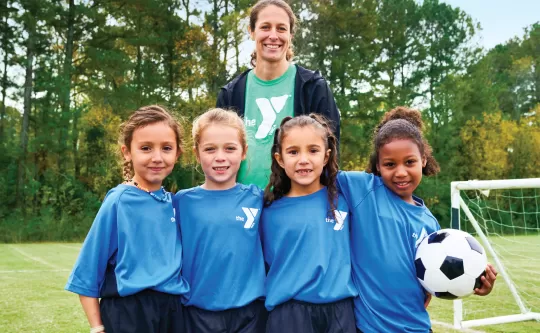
[[32, 279]]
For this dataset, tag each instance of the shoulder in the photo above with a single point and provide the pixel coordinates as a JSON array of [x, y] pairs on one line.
[[309, 76], [253, 190], [120, 193], [431, 219], [184, 192], [240, 78]]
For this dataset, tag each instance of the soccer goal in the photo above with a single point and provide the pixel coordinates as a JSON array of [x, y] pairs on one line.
[[505, 216]]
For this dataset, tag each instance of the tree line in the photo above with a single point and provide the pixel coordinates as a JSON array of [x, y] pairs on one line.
[[71, 71]]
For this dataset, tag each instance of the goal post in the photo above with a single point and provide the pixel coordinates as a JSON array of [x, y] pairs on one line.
[[495, 214]]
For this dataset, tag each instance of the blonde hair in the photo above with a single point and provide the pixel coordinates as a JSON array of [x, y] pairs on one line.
[[145, 116], [254, 16], [218, 116]]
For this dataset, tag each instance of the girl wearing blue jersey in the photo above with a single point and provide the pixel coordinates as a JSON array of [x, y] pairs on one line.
[[219, 223], [388, 222], [305, 232], [132, 255]]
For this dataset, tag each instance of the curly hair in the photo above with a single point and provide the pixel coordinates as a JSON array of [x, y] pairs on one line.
[[402, 123], [142, 117], [280, 183]]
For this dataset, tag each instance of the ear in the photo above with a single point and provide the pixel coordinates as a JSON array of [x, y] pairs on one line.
[[244, 153], [251, 34], [424, 161], [196, 153], [279, 160], [378, 168], [327, 156], [126, 153]]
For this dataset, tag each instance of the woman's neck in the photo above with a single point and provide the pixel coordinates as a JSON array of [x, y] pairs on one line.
[[270, 70]]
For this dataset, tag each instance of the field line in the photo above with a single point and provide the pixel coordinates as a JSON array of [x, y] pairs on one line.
[[70, 246], [36, 259], [34, 271], [446, 325]]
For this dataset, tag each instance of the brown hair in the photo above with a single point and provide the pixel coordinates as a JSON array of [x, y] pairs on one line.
[[254, 16], [402, 123], [220, 117], [145, 116], [280, 183]]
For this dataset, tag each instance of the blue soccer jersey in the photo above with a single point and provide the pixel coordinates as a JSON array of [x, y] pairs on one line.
[[223, 260], [133, 244], [385, 231], [307, 250]]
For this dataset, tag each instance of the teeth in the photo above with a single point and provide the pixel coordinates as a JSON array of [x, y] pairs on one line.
[[272, 46], [220, 169]]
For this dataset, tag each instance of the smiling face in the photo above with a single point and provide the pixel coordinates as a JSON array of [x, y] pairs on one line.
[[303, 157], [153, 152], [272, 35], [220, 153], [400, 165]]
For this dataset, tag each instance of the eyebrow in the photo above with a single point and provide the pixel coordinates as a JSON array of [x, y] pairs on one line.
[[309, 146], [151, 142], [213, 144]]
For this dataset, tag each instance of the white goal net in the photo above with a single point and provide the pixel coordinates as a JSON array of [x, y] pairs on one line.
[[505, 216]]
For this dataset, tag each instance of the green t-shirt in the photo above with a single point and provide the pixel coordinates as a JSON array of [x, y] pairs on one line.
[[267, 103]]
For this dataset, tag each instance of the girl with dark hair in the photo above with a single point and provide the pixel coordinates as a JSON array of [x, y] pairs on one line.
[[388, 222], [274, 89], [305, 233]]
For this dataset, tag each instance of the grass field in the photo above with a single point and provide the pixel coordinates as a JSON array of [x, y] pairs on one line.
[[32, 278]]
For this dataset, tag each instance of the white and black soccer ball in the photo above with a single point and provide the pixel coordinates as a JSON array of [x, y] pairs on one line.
[[449, 263]]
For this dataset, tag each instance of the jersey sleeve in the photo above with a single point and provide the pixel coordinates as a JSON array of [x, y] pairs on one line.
[[98, 247], [354, 185]]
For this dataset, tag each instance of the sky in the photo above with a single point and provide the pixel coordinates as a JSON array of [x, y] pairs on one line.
[[500, 20]]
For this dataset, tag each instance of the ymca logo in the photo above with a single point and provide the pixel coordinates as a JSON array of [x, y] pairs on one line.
[[419, 239], [251, 213], [340, 217], [269, 107]]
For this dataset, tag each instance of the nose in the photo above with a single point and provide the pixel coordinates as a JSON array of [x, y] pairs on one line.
[[303, 159], [220, 156], [157, 156], [273, 34], [401, 171]]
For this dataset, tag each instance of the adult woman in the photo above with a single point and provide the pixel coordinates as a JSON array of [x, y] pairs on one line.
[[274, 89]]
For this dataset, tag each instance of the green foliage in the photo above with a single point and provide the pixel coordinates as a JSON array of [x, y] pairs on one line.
[[93, 63]]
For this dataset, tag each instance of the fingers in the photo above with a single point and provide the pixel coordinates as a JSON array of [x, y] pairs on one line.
[[491, 272]]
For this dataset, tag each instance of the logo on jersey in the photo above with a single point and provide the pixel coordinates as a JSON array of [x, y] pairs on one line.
[[340, 217], [268, 107], [419, 238], [251, 213]]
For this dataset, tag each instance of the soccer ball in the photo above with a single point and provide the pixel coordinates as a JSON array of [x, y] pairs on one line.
[[450, 263]]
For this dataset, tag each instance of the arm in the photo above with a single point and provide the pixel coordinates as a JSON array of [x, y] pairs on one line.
[[427, 299], [91, 309], [98, 247], [326, 105]]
